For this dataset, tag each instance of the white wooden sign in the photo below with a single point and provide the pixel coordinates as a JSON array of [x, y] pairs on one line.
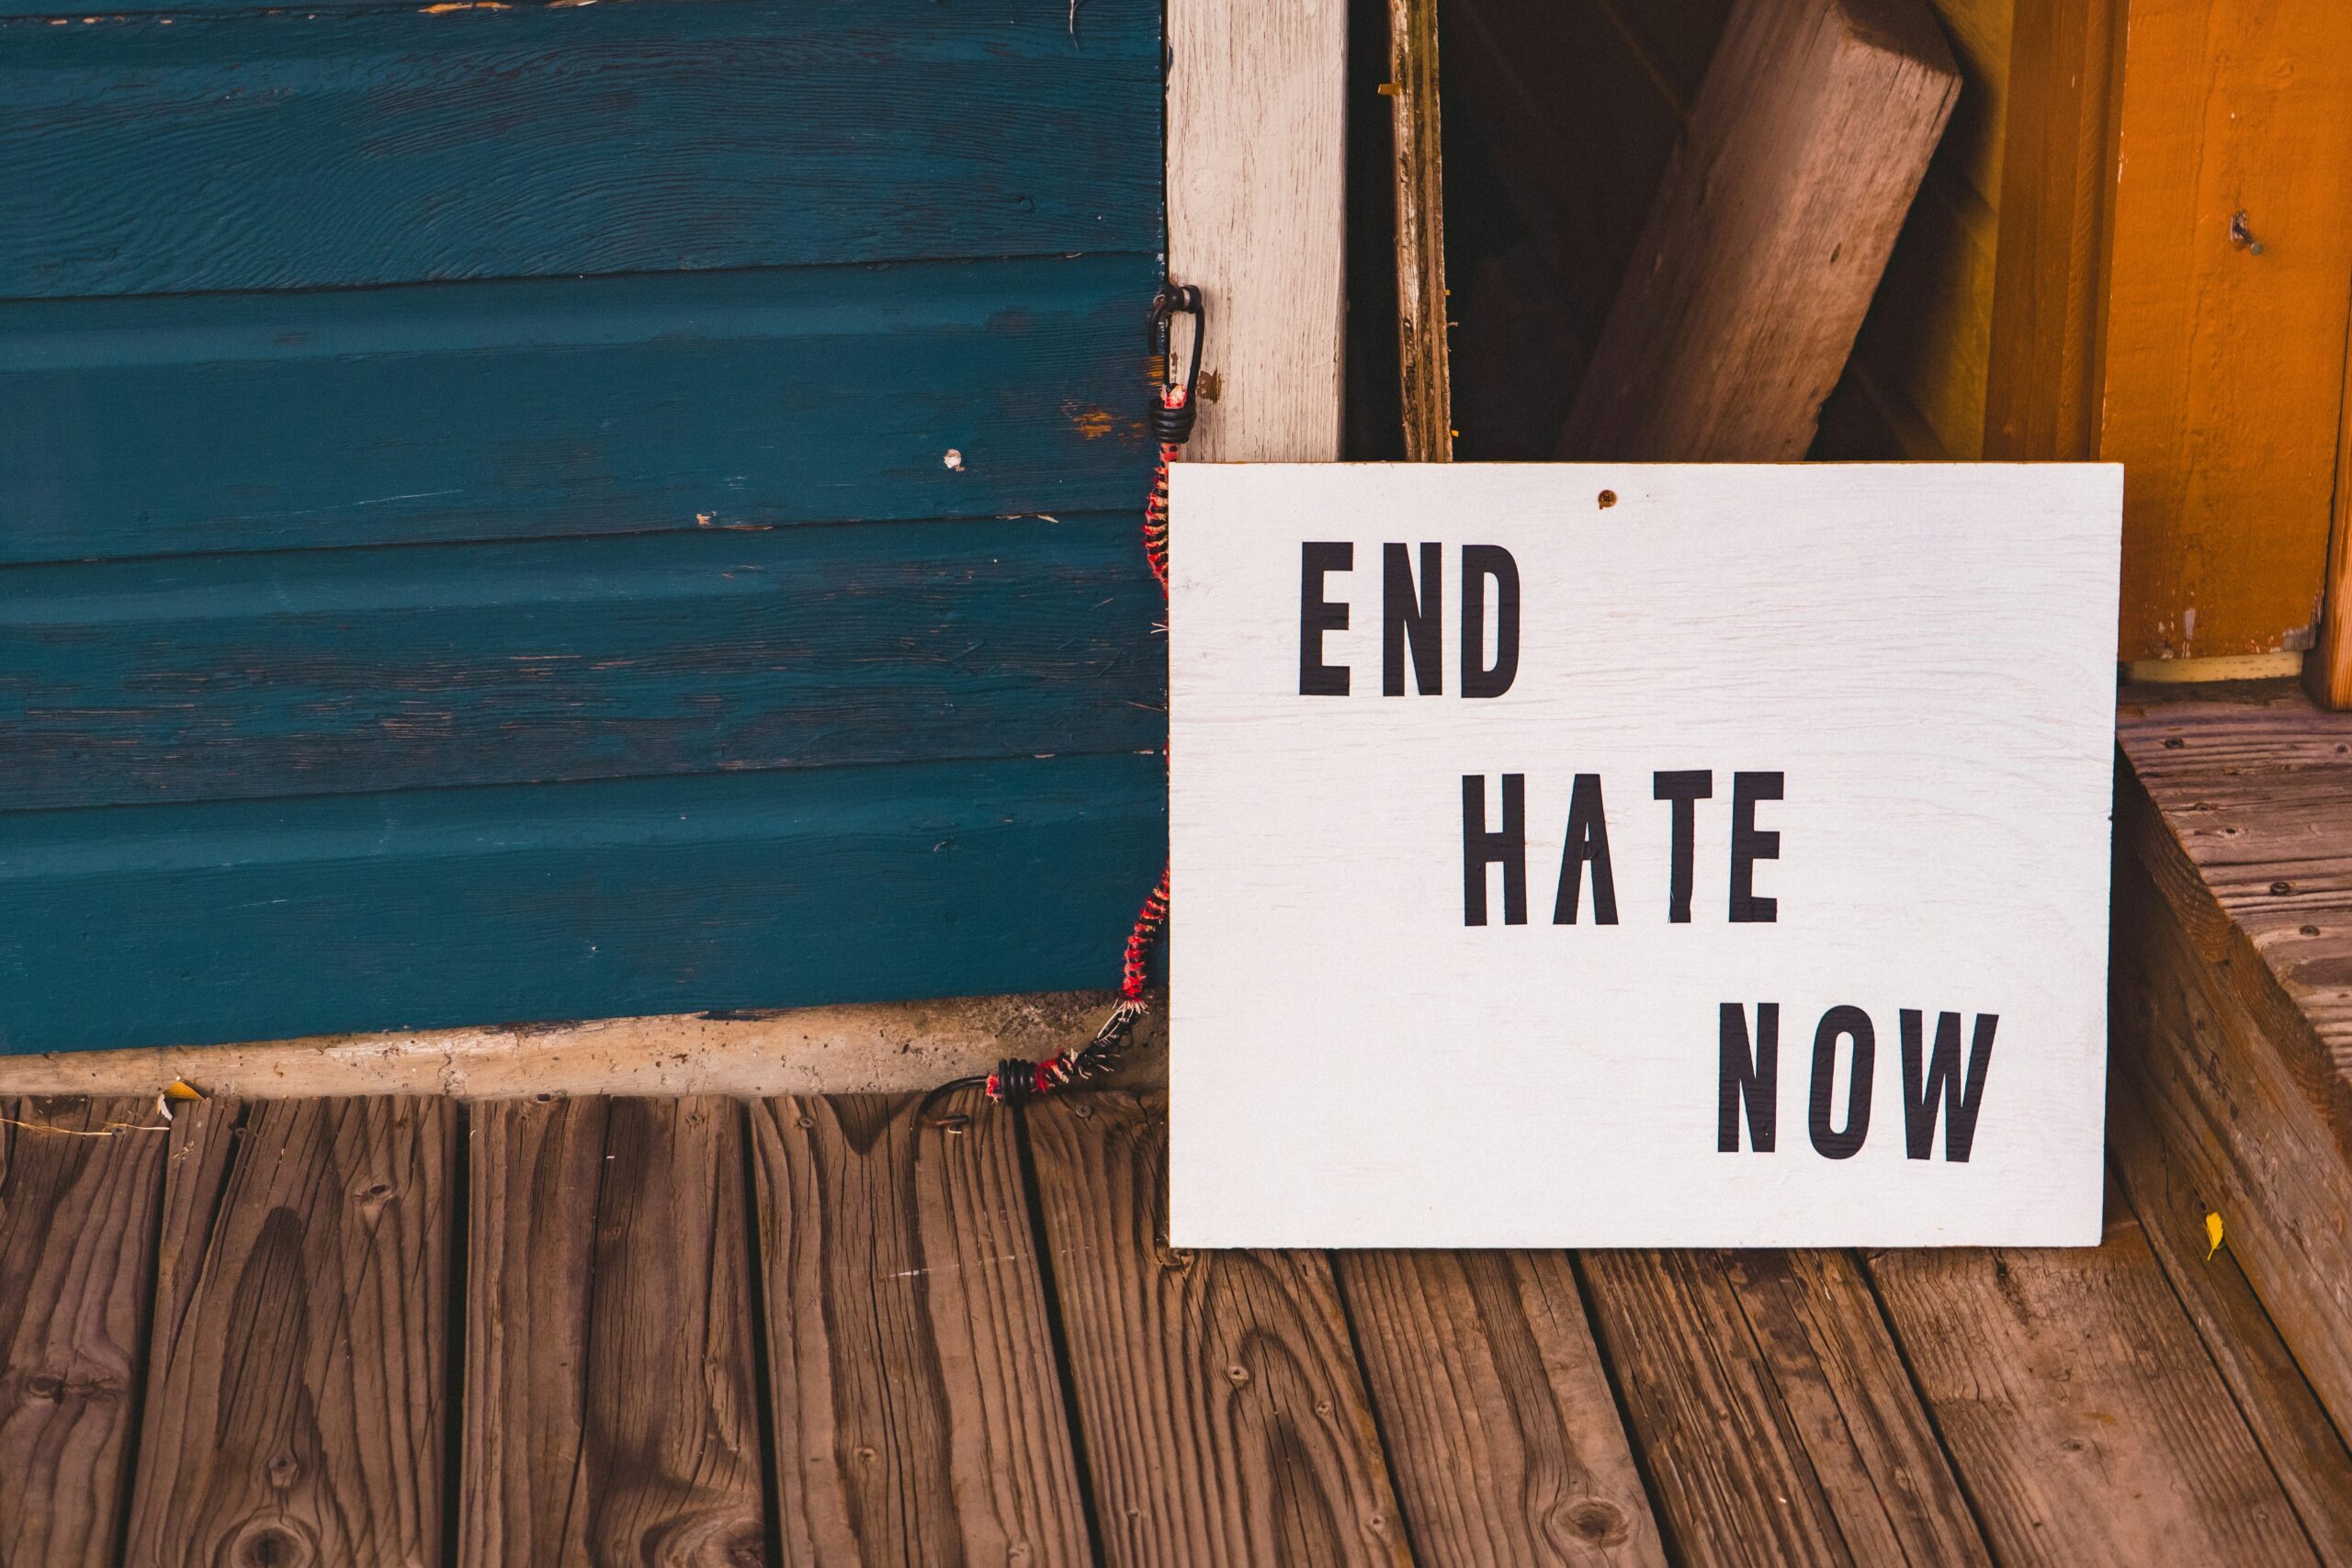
[[1686, 855]]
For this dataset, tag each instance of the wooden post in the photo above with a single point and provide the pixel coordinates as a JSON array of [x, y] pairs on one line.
[[2171, 294], [1809, 137], [1257, 178], [1421, 231], [2327, 671], [2042, 380]]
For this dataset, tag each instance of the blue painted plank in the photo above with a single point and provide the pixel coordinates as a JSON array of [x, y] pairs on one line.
[[247, 921], [306, 149], [137, 427], [227, 677]]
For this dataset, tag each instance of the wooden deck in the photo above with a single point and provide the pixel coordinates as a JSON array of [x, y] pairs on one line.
[[413, 1331]]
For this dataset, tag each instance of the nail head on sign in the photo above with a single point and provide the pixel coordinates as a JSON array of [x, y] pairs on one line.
[[1607, 498]]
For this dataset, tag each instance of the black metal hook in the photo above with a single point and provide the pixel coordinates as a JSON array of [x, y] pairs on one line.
[[1171, 416]]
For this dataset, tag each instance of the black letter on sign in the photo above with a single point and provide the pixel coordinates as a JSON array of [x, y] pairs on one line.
[[1830, 1141], [1685, 790], [1753, 1077], [1942, 1075], [1588, 843], [1748, 846], [1480, 562], [1317, 679], [1407, 616], [1481, 849]]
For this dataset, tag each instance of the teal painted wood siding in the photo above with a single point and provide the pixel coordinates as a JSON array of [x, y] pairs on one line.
[[479, 540]]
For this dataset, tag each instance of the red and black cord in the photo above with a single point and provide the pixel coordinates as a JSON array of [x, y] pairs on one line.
[[1171, 422]]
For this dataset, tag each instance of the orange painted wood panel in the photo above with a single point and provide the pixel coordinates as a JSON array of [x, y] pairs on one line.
[[2225, 364]]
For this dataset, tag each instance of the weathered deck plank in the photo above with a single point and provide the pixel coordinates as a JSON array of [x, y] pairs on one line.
[[295, 1397], [919, 1415], [1773, 1412], [2082, 1412], [1222, 1414], [77, 1260], [2306, 1452], [1837, 1367], [1499, 1425], [2232, 984], [611, 1412]]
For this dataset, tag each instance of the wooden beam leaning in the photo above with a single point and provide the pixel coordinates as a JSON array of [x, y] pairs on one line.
[[1256, 217], [611, 1411], [919, 1415], [1807, 141], [1773, 1412], [2080, 1408], [1223, 1417], [296, 1406], [1501, 1427], [80, 1180]]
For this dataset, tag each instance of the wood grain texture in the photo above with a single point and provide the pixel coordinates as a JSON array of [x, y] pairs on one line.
[[2235, 818], [2043, 372], [1500, 1428], [611, 1409], [1773, 1412], [1851, 1400], [1922, 359], [265, 919], [236, 152], [1767, 234], [2134, 320], [2232, 1015], [918, 1410], [570, 406], [1421, 308], [2304, 1450], [1256, 187], [2080, 1408], [315, 672], [1223, 1417], [80, 1185], [2225, 366], [295, 1408]]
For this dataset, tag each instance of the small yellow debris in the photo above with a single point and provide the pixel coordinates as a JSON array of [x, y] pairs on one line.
[[1389, 89], [180, 1088], [445, 7], [2212, 1234]]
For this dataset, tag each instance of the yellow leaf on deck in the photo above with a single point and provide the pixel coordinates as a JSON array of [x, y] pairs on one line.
[[2214, 1235], [180, 1088]]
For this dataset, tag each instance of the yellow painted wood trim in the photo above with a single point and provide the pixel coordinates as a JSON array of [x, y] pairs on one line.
[[2220, 667]]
